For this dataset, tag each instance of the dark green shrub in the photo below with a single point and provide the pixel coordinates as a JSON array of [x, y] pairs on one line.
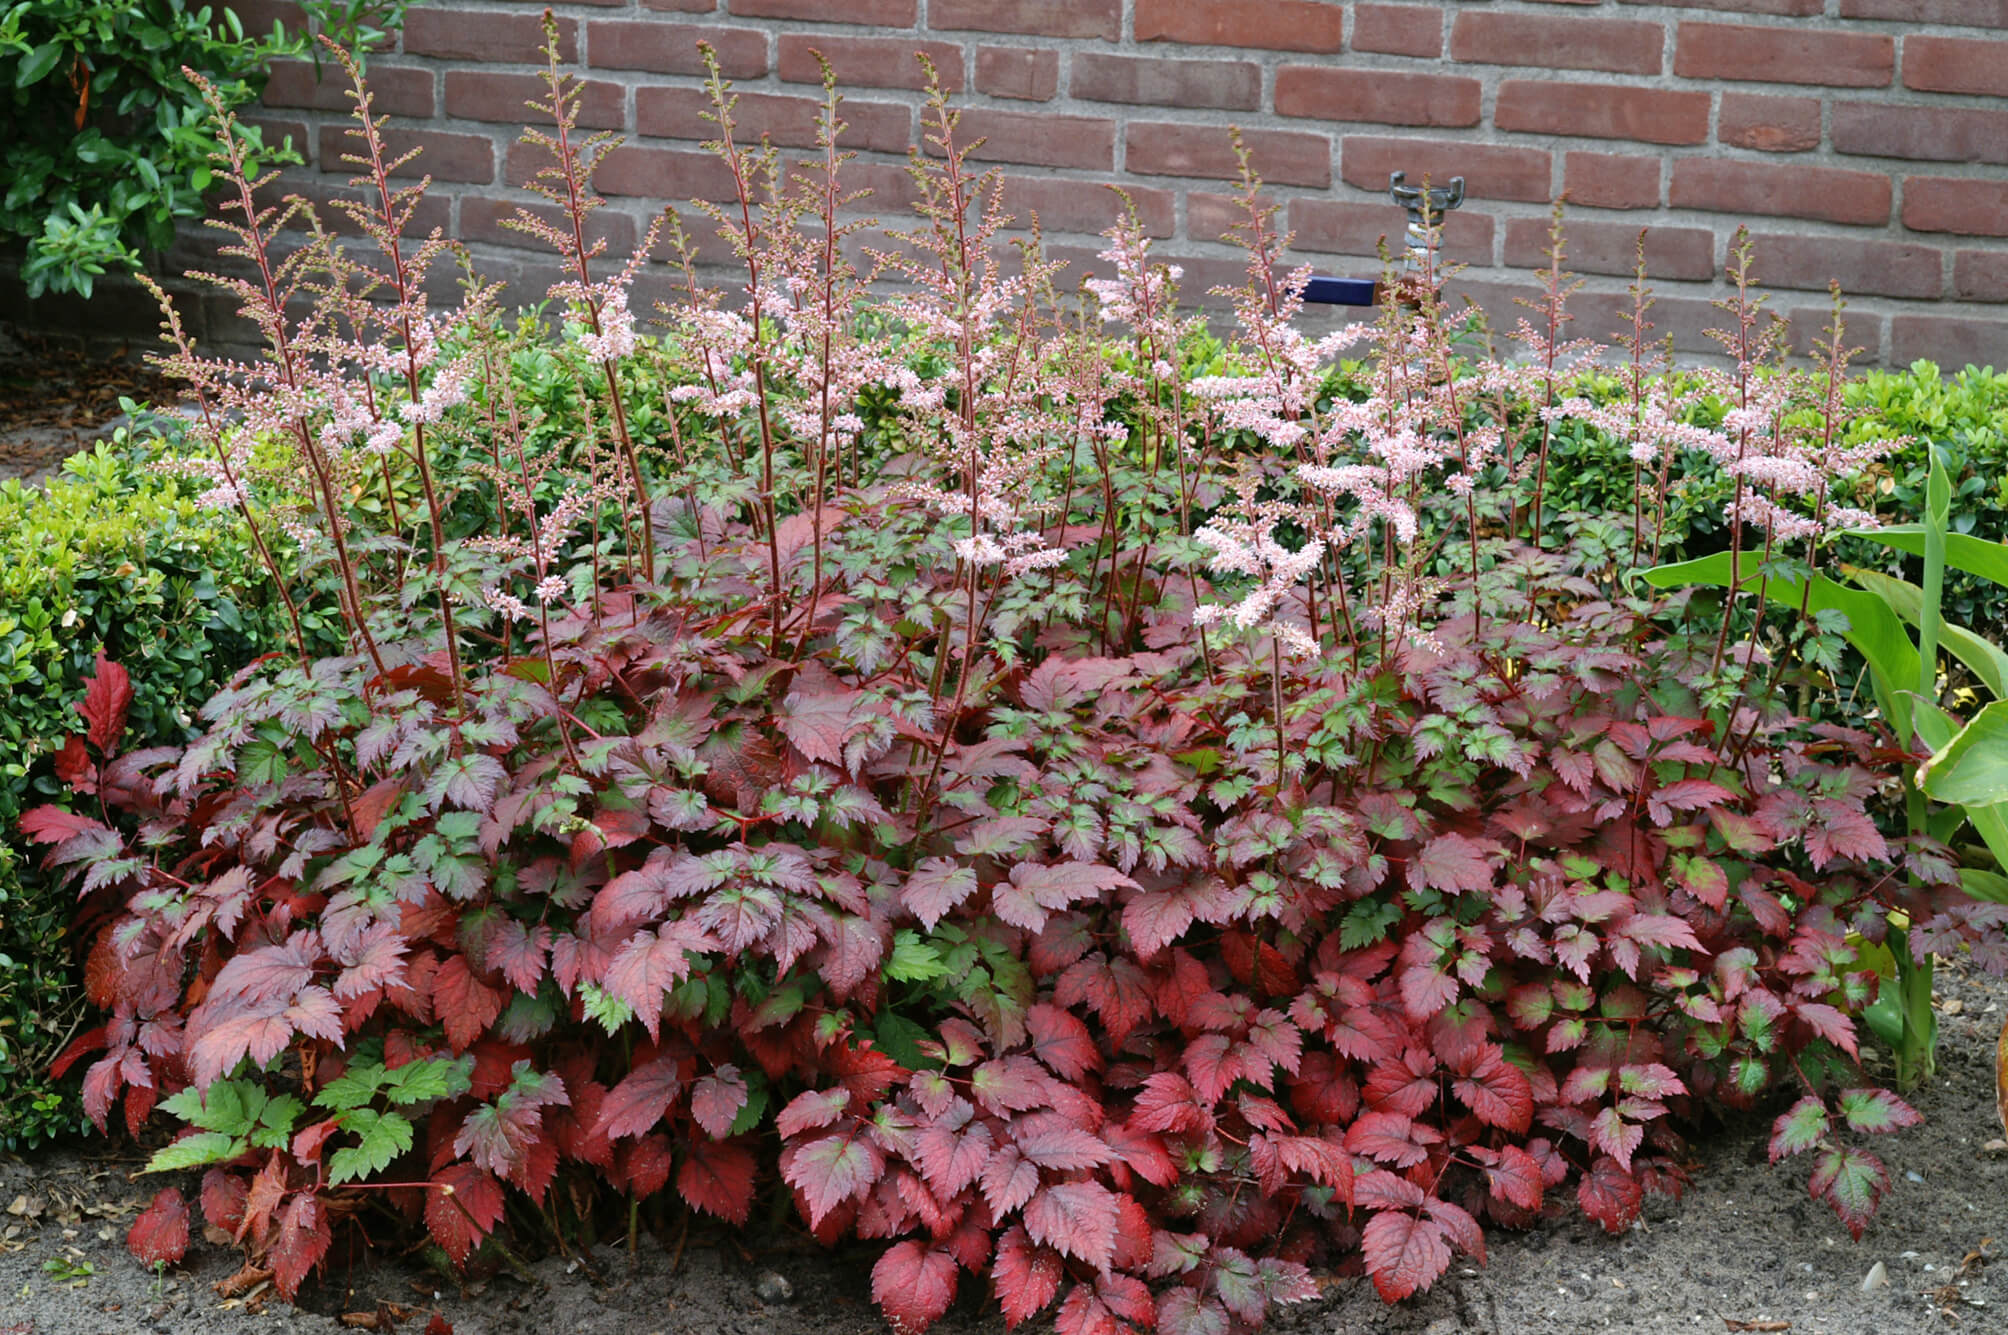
[[105, 143], [116, 557]]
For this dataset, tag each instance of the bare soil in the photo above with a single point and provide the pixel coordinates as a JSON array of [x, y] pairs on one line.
[[55, 401], [1745, 1249]]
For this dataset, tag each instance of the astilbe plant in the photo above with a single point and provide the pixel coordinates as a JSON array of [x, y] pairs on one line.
[[1117, 837]]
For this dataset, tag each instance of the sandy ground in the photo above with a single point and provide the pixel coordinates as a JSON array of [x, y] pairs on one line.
[[1746, 1249]]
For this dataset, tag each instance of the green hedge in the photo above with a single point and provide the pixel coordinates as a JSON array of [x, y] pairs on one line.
[[117, 557]]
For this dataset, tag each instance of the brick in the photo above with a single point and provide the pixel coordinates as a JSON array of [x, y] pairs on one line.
[[1398, 30], [1948, 341], [1603, 111], [1980, 275], [1799, 53], [1280, 157], [1386, 97], [1789, 8], [1611, 180], [489, 36], [1619, 46], [675, 6], [1029, 74], [1490, 171], [1039, 18], [443, 156], [671, 48], [1925, 134], [1770, 124], [434, 210], [876, 13], [662, 175], [1860, 333], [1268, 25], [491, 95], [1949, 204], [1612, 248], [1868, 268], [890, 186], [1971, 13], [1039, 138], [1340, 227], [482, 218], [1232, 85], [1076, 206], [395, 90], [276, 131], [678, 113], [1955, 65], [1783, 190], [869, 62]]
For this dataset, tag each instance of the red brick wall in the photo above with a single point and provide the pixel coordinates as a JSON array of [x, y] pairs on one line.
[[1862, 140]]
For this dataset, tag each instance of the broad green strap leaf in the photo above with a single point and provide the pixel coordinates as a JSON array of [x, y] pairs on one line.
[[1963, 551], [1936, 729], [1987, 661], [1873, 629], [1987, 885], [1972, 768]]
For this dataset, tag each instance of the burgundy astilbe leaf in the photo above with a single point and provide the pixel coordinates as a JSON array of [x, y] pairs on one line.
[[466, 1004], [107, 697], [716, 1100], [640, 1099], [519, 952], [1454, 863], [717, 1178], [1405, 1253], [1076, 1219], [1854, 1182], [935, 888], [1027, 1276], [463, 1206], [913, 1285], [304, 1237], [1061, 1040], [159, 1236], [223, 1197], [1610, 1195], [645, 1164], [642, 971], [830, 1171]]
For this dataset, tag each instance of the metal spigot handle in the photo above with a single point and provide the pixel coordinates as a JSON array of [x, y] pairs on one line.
[[1426, 206]]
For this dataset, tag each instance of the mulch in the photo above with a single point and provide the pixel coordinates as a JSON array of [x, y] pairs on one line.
[[55, 400]]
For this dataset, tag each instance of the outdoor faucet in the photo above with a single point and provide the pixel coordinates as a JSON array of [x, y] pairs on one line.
[[1426, 205]]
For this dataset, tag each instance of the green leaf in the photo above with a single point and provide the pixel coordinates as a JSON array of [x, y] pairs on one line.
[[204, 1147], [381, 1138], [38, 64], [1963, 551], [1988, 662], [914, 960], [1972, 768], [1873, 629]]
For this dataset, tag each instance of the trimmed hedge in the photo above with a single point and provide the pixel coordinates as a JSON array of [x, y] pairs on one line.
[[112, 557]]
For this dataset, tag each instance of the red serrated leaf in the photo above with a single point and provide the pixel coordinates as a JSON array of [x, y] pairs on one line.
[[73, 766], [1063, 1148], [159, 1236], [1035, 888], [1404, 1254], [717, 1178], [831, 1171], [1082, 1312], [644, 969], [1497, 1091], [1027, 1276], [913, 1285], [818, 724], [1062, 1041], [107, 697], [519, 951], [1853, 1182], [466, 1005], [935, 888], [1515, 1178], [640, 1099], [49, 824], [303, 1240], [1008, 1180], [645, 1165], [1610, 1195], [1684, 795], [463, 1206], [1453, 863], [952, 1153], [1077, 1219], [223, 1197], [1612, 1134], [716, 1100]]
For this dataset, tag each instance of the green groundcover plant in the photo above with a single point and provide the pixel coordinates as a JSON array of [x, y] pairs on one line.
[[1115, 838]]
